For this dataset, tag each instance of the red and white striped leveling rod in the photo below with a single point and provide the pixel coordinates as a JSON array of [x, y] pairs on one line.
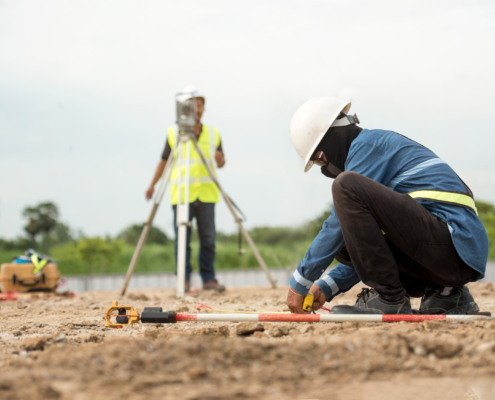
[[155, 315]]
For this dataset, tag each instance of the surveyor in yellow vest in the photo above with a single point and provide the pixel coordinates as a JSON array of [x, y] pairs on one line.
[[203, 193]]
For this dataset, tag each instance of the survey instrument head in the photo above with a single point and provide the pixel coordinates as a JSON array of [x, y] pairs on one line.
[[189, 107]]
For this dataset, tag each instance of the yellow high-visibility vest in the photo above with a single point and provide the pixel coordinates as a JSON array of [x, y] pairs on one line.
[[38, 264], [201, 186]]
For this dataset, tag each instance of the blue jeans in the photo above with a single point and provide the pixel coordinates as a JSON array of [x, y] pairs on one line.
[[205, 218]]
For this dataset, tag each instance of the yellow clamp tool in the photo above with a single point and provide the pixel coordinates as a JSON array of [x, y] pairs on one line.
[[308, 303], [123, 318]]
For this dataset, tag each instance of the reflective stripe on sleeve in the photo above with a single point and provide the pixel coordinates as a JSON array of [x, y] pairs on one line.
[[302, 280], [333, 285], [446, 197]]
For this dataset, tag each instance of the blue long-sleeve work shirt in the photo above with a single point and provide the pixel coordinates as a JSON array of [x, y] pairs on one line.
[[404, 166]]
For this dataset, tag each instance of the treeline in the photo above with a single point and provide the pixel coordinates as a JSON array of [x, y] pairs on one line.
[[43, 231], [486, 212], [79, 254]]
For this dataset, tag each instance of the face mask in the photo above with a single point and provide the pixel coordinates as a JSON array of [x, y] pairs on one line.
[[330, 171], [336, 145]]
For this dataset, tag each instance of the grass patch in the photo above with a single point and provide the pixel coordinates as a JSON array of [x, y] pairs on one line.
[[160, 258]]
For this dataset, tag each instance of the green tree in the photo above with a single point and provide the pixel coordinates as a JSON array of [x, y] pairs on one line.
[[42, 218], [61, 233], [314, 226], [485, 208], [486, 212], [98, 253], [278, 235], [20, 243], [132, 233]]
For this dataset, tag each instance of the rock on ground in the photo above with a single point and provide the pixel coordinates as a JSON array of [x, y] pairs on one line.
[[58, 348]]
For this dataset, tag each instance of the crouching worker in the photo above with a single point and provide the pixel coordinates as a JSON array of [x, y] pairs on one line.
[[403, 222]]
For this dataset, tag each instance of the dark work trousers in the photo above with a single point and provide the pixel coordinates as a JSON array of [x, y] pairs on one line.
[[205, 218], [416, 251]]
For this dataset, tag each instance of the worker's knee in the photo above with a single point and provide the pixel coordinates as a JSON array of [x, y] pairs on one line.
[[347, 180]]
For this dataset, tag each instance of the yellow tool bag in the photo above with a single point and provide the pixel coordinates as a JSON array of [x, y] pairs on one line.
[[21, 278]]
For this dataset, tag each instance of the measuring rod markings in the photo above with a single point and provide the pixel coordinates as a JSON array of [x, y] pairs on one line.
[[322, 317], [156, 315]]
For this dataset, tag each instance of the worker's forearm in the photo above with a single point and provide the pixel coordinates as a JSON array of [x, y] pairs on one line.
[[339, 280], [319, 255], [220, 159], [159, 172]]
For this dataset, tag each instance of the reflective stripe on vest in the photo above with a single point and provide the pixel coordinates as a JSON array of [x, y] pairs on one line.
[[201, 186], [458, 199], [202, 179]]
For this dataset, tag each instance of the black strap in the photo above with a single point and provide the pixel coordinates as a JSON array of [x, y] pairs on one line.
[[243, 219], [23, 283], [353, 119]]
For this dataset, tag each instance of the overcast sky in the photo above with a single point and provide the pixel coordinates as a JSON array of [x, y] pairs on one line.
[[87, 90]]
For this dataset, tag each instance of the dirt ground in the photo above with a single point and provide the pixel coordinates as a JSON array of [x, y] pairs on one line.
[[58, 348]]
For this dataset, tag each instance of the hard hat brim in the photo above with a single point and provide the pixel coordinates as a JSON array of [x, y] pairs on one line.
[[308, 163], [308, 166]]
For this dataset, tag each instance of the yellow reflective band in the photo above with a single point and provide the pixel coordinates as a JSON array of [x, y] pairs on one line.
[[38, 265], [454, 198]]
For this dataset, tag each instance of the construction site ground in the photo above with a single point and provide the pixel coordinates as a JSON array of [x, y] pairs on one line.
[[58, 348]]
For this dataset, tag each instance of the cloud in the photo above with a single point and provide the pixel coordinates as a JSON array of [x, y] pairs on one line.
[[419, 68]]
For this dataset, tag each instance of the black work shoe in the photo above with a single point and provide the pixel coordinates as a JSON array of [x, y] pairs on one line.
[[369, 301], [459, 302]]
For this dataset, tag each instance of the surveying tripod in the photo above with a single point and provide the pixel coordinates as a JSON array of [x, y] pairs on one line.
[[183, 211]]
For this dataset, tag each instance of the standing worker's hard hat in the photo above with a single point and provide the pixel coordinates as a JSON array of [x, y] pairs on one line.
[[190, 89], [311, 122]]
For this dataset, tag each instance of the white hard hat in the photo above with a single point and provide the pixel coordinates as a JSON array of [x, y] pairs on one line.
[[310, 123], [193, 91]]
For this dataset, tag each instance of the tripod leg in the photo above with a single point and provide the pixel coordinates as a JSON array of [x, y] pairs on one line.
[[245, 233], [139, 247], [182, 218], [147, 226]]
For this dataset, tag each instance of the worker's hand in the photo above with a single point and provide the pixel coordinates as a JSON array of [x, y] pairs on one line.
[[220, 160], [295, 302], [149, 192], [319, 297]]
